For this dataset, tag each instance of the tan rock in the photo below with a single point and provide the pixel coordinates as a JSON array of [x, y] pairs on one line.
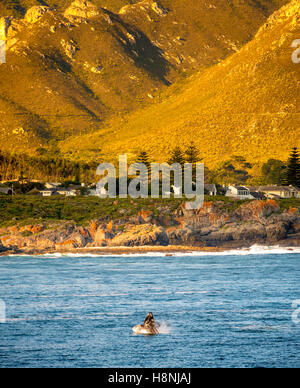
[[145, 216], [293, 210], [35, 13], [37, 229], [101, 236], [93, 228], [13, 229], [2, 248], [42, 244], [157, 8], [296, 226], [79, 240], [5, 23], [5, 240], [140, 235], [81, 9], [84, 232], [146, 6], [69, 47], [110, 227], [96, 69], [34, 229], [25, 229], [66, 245], [259, 209]]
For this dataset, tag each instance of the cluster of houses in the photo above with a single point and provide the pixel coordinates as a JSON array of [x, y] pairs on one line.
[[232, 191], [52, 189], [262, 192]]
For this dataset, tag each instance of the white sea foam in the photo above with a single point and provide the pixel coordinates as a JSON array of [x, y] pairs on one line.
[[257, 328], [191, 292], [254, 250], [164, 328]]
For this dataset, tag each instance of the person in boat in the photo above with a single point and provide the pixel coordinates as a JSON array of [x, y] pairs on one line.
[[150, 327], [150, 323]]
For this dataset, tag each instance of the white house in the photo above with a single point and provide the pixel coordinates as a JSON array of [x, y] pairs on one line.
[[66, 192], [48, 193], [52, 185], [277, 191], [210, 189], [238, 192], [177, 190], [7, 191], [58, 191]]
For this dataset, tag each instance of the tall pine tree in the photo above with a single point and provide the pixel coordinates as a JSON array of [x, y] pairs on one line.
[[177, 156], [293, 168], [192, 154], [144, 158]]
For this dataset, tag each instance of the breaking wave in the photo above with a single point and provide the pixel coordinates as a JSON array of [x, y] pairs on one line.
[[254, 250]]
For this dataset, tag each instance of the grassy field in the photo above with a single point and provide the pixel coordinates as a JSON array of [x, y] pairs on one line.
[[24, 210]]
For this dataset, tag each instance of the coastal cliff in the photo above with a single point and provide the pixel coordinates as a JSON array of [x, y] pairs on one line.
[[214, 226]]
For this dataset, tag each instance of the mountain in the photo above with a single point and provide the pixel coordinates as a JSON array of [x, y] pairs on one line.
[[74, 68], [18, 8], [246, 105]]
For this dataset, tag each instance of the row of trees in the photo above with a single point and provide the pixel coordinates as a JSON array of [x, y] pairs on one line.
[[277, 172], [236, 169], [45, 168], [189, 155]]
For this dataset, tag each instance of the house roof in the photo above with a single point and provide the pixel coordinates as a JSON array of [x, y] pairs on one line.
[[257, 195], [273, 188], [240, 188], [6, 190], [52, 191], [210, 187], [65, 189], [53, 183]]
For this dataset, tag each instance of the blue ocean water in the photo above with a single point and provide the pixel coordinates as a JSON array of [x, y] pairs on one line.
[[217, 311]]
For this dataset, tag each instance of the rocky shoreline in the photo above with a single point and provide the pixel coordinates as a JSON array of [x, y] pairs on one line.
[[213, 228]]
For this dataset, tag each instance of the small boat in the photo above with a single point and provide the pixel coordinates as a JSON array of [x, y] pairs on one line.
[[150, 327]]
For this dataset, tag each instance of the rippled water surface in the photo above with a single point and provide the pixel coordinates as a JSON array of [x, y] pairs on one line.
[[217, 311]]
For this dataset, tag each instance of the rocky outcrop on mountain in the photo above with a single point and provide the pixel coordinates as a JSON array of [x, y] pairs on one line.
[[35, 13], [157, 8], [70, 48], [9, 26], [81, 10], [145, 5], [5, 23]]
